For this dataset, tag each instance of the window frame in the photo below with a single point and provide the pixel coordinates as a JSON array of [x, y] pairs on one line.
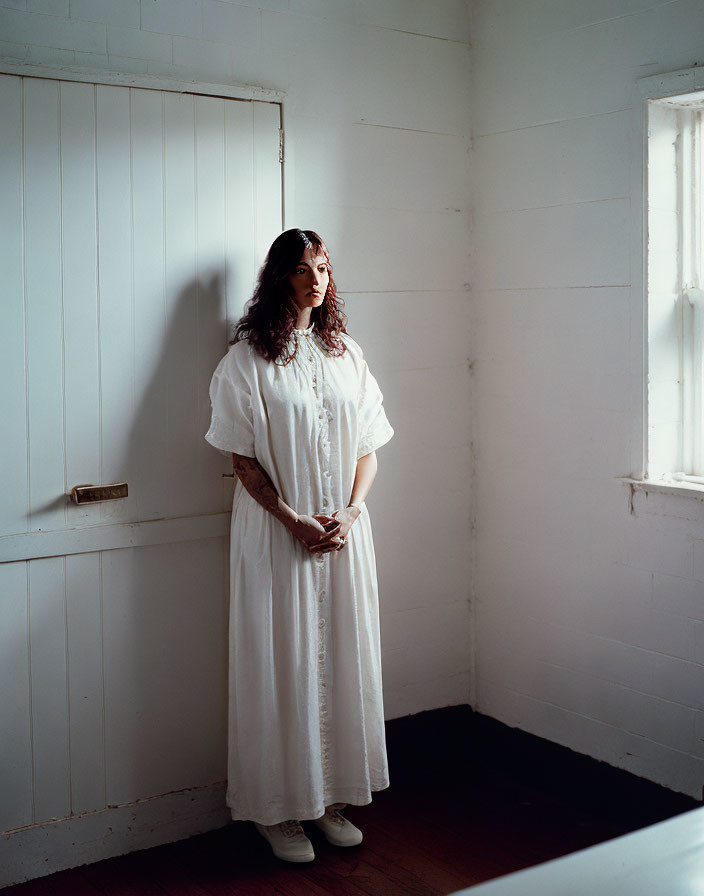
[[676, 88]]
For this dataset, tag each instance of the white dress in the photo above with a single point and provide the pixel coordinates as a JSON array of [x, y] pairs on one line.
[[306, 720]]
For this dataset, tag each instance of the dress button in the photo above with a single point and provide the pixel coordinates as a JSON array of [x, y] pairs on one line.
[[323, 593], [321, 623]]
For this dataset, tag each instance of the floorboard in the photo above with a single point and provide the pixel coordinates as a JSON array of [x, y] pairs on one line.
[[470, 800]]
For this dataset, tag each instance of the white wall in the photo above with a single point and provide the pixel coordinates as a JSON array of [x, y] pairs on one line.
[[589, 619], [376, 124]]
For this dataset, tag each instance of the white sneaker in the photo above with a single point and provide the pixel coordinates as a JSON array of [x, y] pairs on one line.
[[288, 841], [338, 830]]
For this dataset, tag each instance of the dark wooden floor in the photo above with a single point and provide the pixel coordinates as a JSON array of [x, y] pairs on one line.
[[469, 800]]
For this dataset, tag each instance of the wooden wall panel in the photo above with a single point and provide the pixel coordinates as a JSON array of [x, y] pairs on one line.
[[85, 682], [211, 263], [42, 234], [149, 426], [165, 637], [240, 242], [146, 216], [178, 356], [115, 285], [267, 188], [13, 402], [50, 727], [80, 294], [15, 704]]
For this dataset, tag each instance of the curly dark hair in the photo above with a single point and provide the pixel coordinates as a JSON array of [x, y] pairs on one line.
[[270, 315]]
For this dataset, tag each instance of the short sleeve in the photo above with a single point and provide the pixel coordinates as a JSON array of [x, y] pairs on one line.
[[374, 428], [231, 427]]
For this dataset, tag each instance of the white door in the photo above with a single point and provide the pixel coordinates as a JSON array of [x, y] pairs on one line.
[[132, 223]]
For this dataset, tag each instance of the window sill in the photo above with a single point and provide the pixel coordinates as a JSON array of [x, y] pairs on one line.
[[664, 487]]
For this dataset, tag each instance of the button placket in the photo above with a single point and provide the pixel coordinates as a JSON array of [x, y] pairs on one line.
[[321, 569], [323, 653], [324, 417]]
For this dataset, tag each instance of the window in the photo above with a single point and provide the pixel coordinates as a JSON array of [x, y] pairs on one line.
[[675, 286]]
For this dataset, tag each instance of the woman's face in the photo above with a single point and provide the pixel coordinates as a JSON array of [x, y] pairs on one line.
[[309, 280]]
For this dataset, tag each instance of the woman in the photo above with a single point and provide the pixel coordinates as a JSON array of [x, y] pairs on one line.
[[296, 406]]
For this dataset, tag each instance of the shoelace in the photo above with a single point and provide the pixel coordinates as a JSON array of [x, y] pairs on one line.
[[334, 815], [291, 828]]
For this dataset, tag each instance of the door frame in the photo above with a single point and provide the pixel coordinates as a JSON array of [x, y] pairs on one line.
[[233, 91]]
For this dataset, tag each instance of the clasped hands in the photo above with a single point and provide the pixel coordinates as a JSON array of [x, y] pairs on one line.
[[322, 532]]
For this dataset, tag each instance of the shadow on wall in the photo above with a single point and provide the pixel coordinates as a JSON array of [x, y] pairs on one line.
[[165, 607]]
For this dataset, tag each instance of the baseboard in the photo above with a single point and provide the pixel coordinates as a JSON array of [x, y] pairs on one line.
[[38, 850]]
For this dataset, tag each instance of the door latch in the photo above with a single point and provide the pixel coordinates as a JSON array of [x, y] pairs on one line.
[[90, 494]]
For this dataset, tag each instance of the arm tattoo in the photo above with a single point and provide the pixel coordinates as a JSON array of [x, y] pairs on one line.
[[257, 482]]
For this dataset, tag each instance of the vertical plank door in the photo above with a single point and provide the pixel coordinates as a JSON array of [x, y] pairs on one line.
[[133, 223]]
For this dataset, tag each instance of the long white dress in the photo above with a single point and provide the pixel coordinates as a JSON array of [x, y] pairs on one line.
[[306, 720]]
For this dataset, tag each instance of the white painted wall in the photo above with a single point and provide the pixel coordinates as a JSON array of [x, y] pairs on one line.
[[376, 122], [589, 617]]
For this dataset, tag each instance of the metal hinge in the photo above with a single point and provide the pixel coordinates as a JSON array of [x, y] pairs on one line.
[[281, 144]]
